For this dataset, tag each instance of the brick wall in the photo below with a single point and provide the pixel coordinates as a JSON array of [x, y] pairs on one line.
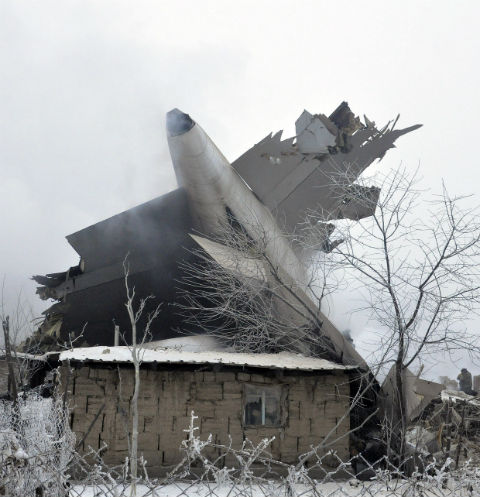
[[3, 376], [313, 403]]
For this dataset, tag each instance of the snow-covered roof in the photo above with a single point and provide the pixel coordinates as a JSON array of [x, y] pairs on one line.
[[168, 355], [191, 343]]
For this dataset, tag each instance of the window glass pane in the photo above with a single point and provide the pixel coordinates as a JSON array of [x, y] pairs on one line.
[[253, 413], [272, 407], [253, 405]]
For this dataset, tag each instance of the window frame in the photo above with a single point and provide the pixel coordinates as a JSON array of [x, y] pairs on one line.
[[282, 390]]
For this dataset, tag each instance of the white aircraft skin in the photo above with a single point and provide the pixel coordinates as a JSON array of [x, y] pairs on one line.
[[212, 185]]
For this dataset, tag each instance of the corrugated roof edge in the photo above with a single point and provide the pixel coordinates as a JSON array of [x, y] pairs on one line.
[[282, 360]]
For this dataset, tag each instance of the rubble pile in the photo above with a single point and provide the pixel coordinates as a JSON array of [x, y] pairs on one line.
[[449, 427]]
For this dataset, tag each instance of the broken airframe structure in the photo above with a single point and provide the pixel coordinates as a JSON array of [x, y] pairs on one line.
[[269, 190]]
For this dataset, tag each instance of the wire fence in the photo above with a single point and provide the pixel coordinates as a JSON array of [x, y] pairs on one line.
[[38, 458], [36, 447]]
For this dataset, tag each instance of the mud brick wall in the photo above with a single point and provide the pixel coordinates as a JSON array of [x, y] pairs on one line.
[[3, 376], [99, 396]]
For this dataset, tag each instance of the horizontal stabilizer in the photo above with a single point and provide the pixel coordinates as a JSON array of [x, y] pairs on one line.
[[231, 259]]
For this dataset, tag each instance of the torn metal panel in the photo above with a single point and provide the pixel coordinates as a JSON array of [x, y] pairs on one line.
[[345, 120], [293, 178], [314, 135], [92, 309], [95, 277], [418, 393], [359, 202], [91, 295], [52, 281]]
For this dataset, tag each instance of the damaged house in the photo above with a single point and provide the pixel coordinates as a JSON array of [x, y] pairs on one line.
[[300, 401], [267, 193]]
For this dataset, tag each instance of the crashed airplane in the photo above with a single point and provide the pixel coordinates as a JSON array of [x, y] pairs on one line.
[[270, 187]]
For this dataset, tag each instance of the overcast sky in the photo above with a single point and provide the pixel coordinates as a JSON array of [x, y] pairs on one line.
[[84, 88]]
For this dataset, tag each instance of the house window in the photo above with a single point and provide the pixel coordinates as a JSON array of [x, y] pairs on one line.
[[262, 405]]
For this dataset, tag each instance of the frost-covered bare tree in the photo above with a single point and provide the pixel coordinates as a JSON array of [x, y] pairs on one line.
[[21, 317], [18, 324], [417, 263], [136, 349], [236, 291], [418, 266]]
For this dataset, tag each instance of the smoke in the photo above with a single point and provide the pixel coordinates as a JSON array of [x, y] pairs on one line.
[[83, 127], [348, 335]]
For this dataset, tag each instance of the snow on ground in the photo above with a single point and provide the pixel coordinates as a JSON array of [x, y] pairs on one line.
[[352, 488]]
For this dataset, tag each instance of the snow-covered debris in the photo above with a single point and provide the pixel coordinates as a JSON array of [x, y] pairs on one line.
[[458, 396]]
